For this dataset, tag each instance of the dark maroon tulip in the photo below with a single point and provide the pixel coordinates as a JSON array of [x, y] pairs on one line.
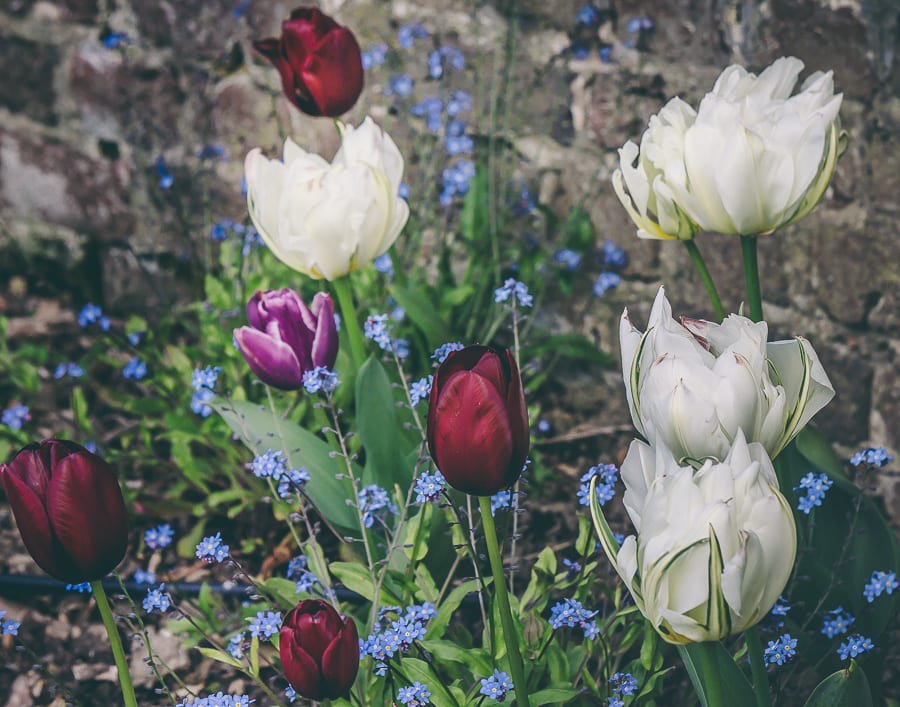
[[69, 509], [286, 338], [477, 421], [319, 62], [319, 650]]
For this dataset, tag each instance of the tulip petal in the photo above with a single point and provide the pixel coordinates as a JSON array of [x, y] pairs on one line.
[[333, 73], [340, 661], [300, 670], [273, 361], [87, 513]]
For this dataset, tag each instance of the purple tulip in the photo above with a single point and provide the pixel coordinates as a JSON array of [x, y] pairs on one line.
[[286, 338], [69, 509]]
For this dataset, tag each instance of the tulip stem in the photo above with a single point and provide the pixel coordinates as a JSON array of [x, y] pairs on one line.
[[510, 636], [757, 667], [710, 676], [711, 290], [115, 642], [351, 323], [751, 277]]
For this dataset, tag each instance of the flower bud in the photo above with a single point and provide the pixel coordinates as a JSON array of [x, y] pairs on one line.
[[319, 61], [693, 385], [319, 650], [69, 509], [286, 338], [714, 547], [477, 422]]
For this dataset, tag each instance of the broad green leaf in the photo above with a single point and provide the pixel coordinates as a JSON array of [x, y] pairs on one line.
[[710, 664], [257, 429], [477, 661], [220, 656], [437, 625], [553, 696], [414, 669], [378, 428], [355, 577], [422, 313], [845, 688]]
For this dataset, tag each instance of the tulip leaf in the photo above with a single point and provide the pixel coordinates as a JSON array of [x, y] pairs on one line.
[[378, 428], [327, 488], [845, 688], [716, 678], [553, 696]]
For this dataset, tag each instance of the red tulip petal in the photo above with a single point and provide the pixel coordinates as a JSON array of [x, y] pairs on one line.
[[273, 361], [300, 670], [333, 75], [31, 465], [472, 439], [494, 369], [312, 18], [518, 417], [87, 514], [340, 662]]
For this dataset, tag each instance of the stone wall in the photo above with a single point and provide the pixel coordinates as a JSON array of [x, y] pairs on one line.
[[99, 100]]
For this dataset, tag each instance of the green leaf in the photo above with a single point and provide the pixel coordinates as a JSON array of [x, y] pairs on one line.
[[475, 211], [355, 577], [477, 661], [553, 696], [437, 625], [220, 656], [845, 688], [418, 670], [709, 663], [421, 312], [378, 428], [257, 428]]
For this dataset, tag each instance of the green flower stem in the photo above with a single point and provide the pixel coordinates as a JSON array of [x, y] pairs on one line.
[[341, 288], [709, 674], [757, 667], [711, 290], [115, 643], [751, 277], [509, 632]]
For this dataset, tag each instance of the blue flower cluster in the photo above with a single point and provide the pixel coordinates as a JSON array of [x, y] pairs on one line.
[[568, 258], [143, 577], [269, 464], [90, 314], [501, 499], [320, 379], [416, 695], [873, 456], [446, 56], [298, 570], [420, 389], [516, 290], [855, 645], [573, 567], [838, 623], [211, 549], [497, 686], [203, 380], [135, 369], [428, 487], [444, 350], [374, 503], [157, 600], [879, 583], [816, 486], [81, 588], [374, 56], [70, 369], [8, 627], [570, 613], [780, 650], [159, 537], [375, 328], [614, 258], [265, 624], [623, 684], [408, 34], [606, 485], [385, 642], [15, 416], [384, 265], [237, 644], [219, 699]]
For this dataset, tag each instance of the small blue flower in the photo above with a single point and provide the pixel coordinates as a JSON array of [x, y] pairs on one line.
[[416, 695], [292, 481], [428, 487], [374, 56], [166, 180], [403, 191], [81, 588], [608, 475], [423, 612], [781, 608], [625, 683], [157, 600], [614, 701], [159, 537], [855, 645], [880, 582], [205, 378], [605, 282], [501, 499], [375, 328], [432, 109], [374, 502], [816, 486], [211, 548], [459, 102], [236, 645], [515, 289], [421, 389], [320, 379], [407, 34], [290, 693], [200, 402], [115, 39], [444, 350], [873, 456], [497, 686], [143, 577], [265, 624], [573, 567], [135, 369], [401, 85], [781, 650], [89, 314], [8, 627], [269, 464], [568, 258], [613, 255], [68, 369], [839, 622], [384, 265], [587, 15], [15, 416], [571, 613]]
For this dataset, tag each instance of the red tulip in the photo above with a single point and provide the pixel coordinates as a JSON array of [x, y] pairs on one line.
[[69, 509], [319, 650], [477, 422], [319, 61]]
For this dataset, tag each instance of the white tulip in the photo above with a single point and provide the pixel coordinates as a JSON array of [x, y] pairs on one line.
[[714, 547], [693, 386], [751, 159], [325, 220]]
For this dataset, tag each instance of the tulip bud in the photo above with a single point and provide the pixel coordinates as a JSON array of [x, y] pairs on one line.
[[319, 650], [69, 509], [286, 338], [477, 422], [714, 547], [319, 61]]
